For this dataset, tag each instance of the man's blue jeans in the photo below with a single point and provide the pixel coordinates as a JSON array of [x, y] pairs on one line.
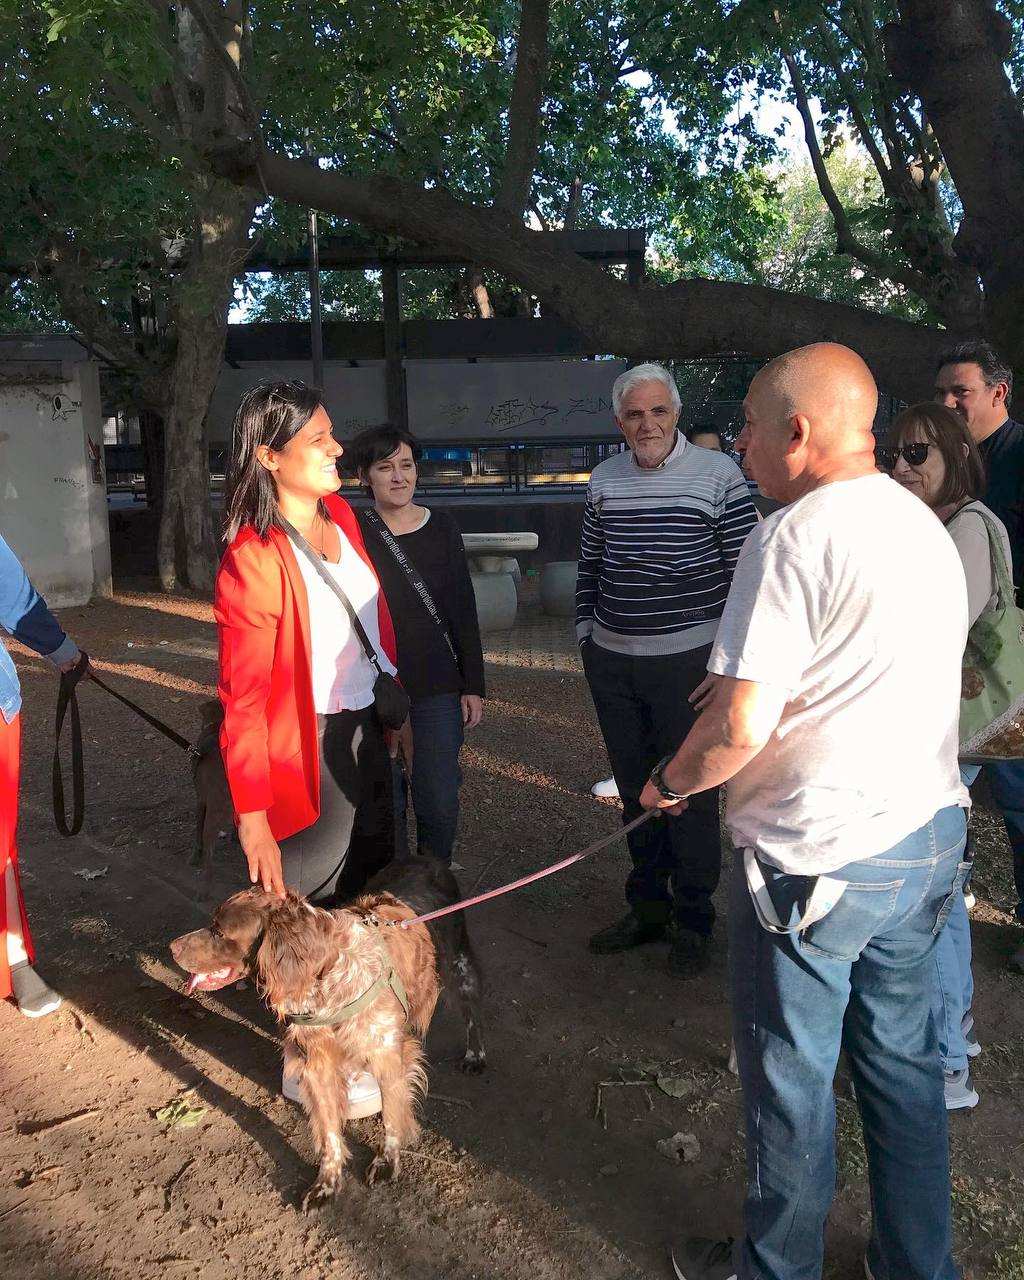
[[861, 979], [437, 735], [953, 990]]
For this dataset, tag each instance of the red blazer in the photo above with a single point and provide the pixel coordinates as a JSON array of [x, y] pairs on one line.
[[269, 736]]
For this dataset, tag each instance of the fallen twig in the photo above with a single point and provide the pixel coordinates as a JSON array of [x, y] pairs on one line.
[[83, 1026], [172, 1181], [13, 1208], [537, 942], [422, 1155], [44, 1126], [454, 1102], [476, 883]]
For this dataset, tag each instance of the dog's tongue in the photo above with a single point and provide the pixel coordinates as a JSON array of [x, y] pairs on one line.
[[197, 980]]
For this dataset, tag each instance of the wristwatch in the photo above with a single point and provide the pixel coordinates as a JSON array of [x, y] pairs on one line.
[[657, 781]]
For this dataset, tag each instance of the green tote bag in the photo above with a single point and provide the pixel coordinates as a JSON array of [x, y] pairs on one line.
[[992, 691]]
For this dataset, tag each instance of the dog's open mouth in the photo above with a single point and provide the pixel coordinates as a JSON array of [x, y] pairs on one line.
[[212, 981]]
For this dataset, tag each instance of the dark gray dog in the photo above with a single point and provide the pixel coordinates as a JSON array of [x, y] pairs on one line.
[[215, 818]]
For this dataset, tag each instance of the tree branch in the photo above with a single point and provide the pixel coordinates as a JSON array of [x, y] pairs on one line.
[[646, 321], [199, 11], [169, 142], [846, 242], [524, 107], [834, 58]]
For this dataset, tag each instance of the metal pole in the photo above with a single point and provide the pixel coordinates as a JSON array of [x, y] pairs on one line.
[[316, 332], [391, 298]]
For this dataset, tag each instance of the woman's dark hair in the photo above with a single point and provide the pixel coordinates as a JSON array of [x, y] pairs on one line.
[[374, 444], [703, 429], [965, 471], [268, 414]]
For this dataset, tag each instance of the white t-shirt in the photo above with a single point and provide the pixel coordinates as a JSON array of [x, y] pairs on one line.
[[343, 675], [853, 602]]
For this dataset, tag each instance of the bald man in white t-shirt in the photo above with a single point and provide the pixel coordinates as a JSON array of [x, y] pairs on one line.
[[831, 712]]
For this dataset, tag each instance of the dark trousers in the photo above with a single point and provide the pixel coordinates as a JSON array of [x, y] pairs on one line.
[[1006, 780], [354, 836], [437, 735], [644, 714]]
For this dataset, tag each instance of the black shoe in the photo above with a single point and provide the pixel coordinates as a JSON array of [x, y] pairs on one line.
[[698, 1258], [690, 954], [625, 933]]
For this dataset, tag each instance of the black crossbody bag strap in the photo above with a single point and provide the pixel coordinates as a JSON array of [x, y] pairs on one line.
[[318, 565], [410, 571]]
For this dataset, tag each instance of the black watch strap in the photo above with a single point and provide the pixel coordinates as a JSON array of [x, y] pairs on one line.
[[658, 781]]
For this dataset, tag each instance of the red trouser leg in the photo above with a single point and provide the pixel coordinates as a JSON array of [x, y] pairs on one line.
[[10, 760]]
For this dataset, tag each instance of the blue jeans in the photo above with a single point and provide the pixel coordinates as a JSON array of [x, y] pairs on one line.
[[861, 979], [437, 735], [953, 989], [1006, 780]]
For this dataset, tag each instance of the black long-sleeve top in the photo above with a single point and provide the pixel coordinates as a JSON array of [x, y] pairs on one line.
[[425, 665]]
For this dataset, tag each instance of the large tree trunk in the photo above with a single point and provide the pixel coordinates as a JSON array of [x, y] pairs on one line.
[[186, 546], [151, 431], [953, 54]]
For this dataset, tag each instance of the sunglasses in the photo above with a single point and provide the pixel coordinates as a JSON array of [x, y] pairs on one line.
[[913, 454]]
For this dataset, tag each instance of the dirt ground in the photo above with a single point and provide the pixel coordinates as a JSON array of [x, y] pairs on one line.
[[143, 1134]]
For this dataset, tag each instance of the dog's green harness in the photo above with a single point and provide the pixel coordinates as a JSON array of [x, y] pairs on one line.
[[334, 1017]]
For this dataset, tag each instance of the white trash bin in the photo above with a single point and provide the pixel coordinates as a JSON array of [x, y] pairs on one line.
[[496, 600], [558, 589]]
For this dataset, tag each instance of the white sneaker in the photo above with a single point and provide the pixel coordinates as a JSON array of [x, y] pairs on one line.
[[363, 1092], [607, 789], [32, 995], [960, 1092]]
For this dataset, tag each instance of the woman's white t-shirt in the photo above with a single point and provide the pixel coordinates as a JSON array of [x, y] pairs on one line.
[[343, 676]]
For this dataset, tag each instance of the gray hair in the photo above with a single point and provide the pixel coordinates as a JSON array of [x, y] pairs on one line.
[[625, 383]]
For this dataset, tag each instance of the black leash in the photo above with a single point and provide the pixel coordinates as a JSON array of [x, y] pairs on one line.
[[67, 697]]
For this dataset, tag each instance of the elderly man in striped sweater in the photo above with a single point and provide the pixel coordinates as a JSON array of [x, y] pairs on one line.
[[662, 531]]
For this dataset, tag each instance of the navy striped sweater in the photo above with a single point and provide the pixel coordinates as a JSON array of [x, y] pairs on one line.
[[658, 550]]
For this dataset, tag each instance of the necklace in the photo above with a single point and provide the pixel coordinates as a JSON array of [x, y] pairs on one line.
[[318, 523]]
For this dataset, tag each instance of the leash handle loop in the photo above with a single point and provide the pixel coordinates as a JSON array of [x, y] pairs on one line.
[[67, 700], [67, 697]]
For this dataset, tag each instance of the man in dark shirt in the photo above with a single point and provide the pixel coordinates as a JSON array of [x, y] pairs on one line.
[[977, 383]]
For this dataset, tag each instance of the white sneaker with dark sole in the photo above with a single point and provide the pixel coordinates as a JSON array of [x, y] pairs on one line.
[[960, 1093], [363, 1093], [698, 1258]]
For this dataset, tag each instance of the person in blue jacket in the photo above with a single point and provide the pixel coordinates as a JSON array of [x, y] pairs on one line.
[[23, 613]]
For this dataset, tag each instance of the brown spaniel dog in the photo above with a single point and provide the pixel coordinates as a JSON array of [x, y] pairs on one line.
[[356, 991]]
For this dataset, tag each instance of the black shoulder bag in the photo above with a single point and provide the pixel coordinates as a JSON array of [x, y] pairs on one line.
[[419, 586], [389, 698]]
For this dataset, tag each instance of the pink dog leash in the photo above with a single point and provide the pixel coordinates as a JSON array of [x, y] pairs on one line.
[[535, 875]]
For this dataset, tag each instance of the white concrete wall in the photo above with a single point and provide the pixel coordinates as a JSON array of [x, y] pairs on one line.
[[53, 506]]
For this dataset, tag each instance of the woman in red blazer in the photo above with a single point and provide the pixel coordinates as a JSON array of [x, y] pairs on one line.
[[306, 758]]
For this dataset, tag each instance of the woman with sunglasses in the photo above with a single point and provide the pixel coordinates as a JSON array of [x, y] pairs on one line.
[[932, 455], [304, 752]]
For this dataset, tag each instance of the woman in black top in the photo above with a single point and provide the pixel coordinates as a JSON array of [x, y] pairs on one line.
[[440, 666]]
